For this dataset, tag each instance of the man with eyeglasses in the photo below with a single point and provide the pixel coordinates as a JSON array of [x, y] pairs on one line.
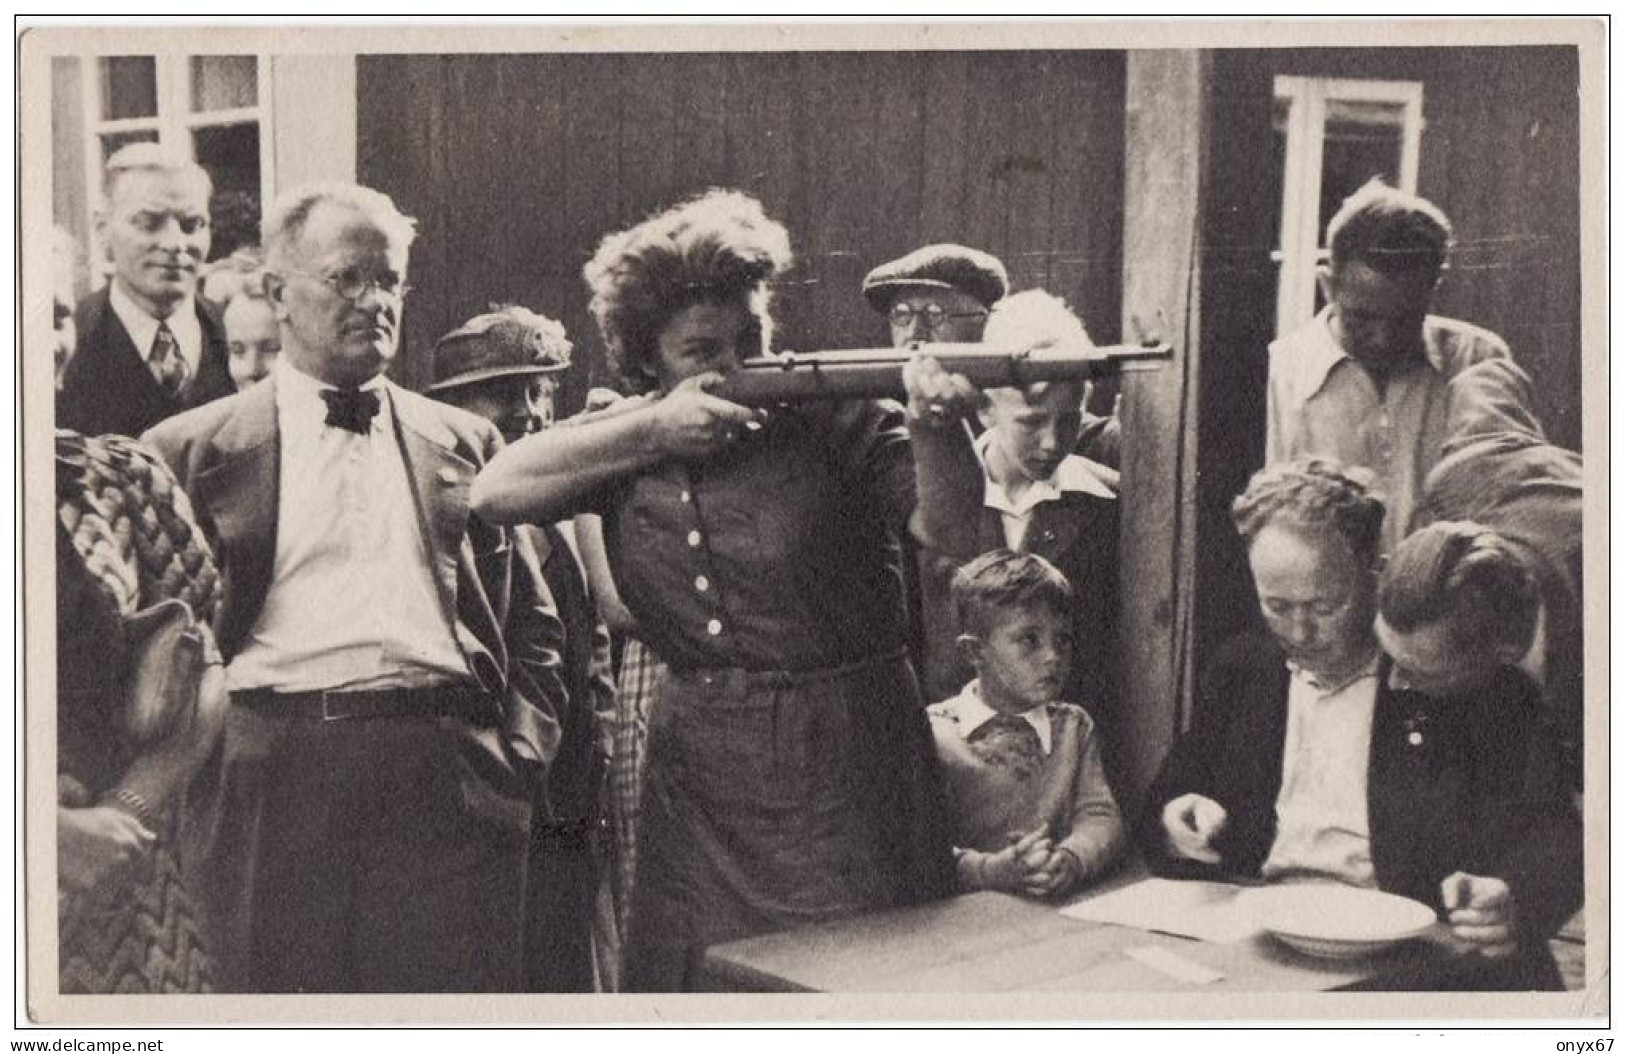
[[392, 660], [937, 294], [147, 346]]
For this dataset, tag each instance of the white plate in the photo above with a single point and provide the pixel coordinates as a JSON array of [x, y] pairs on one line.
[[1337, 922]]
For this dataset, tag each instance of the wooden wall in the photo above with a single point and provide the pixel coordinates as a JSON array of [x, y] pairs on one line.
[[1500, 155], [516, 166]]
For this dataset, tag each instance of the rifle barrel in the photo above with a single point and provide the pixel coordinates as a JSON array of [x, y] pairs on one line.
[[872, 373]]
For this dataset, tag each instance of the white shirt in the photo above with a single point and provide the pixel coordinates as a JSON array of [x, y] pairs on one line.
[[143, 328], [973, 713], [1074, 473], [352, 602], [1322, 822]]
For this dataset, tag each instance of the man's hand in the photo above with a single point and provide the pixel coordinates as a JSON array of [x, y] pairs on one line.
[[692, 424], [1192, 822], [1483, 912], [96, 847], [937, 398]]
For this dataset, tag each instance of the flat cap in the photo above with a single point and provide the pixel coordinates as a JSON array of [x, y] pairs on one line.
[[506, 342], [977, 274]]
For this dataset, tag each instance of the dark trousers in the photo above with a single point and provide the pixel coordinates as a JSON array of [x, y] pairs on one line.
[[379, 855]]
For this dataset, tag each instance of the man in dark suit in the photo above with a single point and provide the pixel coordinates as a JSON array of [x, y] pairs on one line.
[[148, 347], [1493, 583], [392, 660], [1306, 761], [505, 366]]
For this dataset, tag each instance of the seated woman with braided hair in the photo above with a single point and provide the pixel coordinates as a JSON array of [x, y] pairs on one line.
[[140, 700], [791, 776]]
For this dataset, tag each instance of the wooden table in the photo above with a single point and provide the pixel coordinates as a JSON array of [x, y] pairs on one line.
[[994, 942]]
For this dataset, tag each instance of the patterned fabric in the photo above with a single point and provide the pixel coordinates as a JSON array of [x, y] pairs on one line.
[[143, 939], [640, 675], [1002, 784], [1009, 742], [167, 363], [132, 525], [132, 529]]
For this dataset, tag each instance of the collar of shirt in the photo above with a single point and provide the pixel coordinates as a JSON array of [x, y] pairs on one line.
[[1314, 359], [302, 414], [1075, 473], [143, 328], [1323, 688], [972, 713]]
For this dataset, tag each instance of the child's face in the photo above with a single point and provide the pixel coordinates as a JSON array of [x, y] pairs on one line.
[[252, 340], [1023, 659], [1036, 430]]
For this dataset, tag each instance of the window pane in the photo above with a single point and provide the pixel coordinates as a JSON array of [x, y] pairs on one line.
[[129, 87], [224, 82], [231, 154], [1363, 140], [1280, 118], [111, 143]]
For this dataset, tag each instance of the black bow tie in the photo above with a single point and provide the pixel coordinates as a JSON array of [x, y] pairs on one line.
[[353, 410]]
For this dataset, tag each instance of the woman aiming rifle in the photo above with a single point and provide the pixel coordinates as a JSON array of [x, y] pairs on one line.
[[790, 772]]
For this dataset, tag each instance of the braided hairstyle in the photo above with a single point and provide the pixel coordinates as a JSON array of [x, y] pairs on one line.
[[1314, 493], [1463, 573], [132, 525]]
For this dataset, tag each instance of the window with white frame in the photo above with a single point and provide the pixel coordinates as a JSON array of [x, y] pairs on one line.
[[1331, 136], [213, 108]]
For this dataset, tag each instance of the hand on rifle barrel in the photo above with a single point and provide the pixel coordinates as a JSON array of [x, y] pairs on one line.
[[937, 398]]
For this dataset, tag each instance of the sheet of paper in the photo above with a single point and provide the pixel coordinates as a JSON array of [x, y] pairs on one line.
[[1208, 911]]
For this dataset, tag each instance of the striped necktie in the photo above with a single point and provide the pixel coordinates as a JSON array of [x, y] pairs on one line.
[[167, 363]]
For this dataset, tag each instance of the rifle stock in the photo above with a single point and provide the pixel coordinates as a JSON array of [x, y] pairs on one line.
[[877, 373]]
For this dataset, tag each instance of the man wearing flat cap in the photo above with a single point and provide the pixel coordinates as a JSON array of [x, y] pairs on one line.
[[505, 366], [938, 293]]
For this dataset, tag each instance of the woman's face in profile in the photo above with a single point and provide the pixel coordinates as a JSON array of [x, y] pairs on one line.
[[708, 337]]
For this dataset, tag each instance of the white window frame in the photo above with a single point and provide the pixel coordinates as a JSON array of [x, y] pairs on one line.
[[174, 122], [1300, 251]]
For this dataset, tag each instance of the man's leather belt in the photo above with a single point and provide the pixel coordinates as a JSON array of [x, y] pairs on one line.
[[446, 700]]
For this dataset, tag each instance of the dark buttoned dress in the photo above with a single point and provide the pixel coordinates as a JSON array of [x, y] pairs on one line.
[[791, 776]]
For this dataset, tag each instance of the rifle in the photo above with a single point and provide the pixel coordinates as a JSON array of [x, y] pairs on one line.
[[876, 373]]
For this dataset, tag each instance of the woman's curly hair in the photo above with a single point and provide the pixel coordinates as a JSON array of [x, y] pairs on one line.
[[1314, 493], [716, 247]]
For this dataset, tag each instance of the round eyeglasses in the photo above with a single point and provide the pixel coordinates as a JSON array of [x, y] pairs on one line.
[[352, 283], [933, 315]]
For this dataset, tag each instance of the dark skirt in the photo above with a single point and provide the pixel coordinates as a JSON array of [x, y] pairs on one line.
[[775, 799]]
